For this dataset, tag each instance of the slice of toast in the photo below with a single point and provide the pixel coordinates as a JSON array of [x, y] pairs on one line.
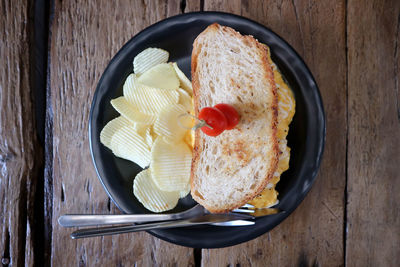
[[234, 167]]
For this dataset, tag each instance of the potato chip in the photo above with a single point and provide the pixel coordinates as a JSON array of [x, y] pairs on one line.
[[185, 83], [185, 192], [161, 76], [185, 100], [152, 198], [130, 84], [147, 99], [149, 58], [167, 124], [141, 128], [149, 137], [126, 143], [170, 165], [145, 131], [128, 111], [110, 129]]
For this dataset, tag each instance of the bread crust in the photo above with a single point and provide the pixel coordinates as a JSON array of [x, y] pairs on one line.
[[264, 50]]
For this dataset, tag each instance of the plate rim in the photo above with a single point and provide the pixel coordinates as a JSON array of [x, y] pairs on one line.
[[223, 15]]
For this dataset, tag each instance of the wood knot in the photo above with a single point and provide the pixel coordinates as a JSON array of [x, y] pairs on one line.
[[258, 254]]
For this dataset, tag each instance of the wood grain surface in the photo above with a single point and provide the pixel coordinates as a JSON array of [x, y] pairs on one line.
[[20, 153], [373, 217], [351, 215]]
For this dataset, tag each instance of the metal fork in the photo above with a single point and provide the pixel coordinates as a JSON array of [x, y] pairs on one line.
[[197, 215], [78, 220]]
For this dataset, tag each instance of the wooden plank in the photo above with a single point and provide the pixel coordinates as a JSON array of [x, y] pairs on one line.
[[313, 234], [191, 5], [373, 220], [84, 37], [20, 153]]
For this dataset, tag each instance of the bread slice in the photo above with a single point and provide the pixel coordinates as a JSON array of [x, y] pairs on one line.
[[234, 167]]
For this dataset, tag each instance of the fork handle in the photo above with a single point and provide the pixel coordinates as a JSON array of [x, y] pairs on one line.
[[111, 230], [76, 220]]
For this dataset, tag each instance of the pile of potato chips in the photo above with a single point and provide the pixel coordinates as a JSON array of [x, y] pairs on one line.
[[148, 132]]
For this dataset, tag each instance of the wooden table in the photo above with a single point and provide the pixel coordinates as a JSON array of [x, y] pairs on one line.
[[52, 55]]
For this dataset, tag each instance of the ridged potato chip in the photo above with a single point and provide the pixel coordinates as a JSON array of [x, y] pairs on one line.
[[146, 132], [141, 128], [111, 127], [128, 111], [152, 198], [149, 137], [161, 76], [149, 58], [167, 124], [147, 99], [185, 100], [185, 192], [185, 83], [170, 165], [130, 84], [126, 143]]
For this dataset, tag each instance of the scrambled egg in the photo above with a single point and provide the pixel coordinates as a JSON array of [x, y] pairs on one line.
[[286, 110]]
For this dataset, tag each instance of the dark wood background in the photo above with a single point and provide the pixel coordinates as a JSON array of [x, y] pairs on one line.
[[52, 55]]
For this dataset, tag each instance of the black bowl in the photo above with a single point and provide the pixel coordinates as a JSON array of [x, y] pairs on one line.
[[176, 35]]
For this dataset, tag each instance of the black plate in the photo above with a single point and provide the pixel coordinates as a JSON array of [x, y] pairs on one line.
[[176, 35]]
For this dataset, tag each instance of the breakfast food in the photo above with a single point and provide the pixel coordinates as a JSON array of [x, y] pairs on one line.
[[149, 58], [235, 167], [232, 116], [286, 110], [147, 132], [244, 107], [215, 121], [147, 192]]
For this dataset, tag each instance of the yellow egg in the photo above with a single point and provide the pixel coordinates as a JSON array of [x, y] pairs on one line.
[[286, 110]]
